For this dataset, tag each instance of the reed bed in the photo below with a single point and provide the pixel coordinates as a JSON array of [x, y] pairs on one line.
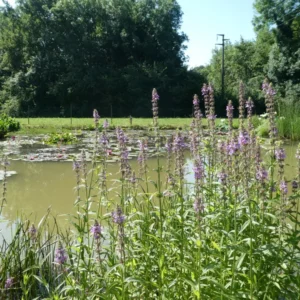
[[230, 233]]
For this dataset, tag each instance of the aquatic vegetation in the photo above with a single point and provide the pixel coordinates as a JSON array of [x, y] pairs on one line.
[[63, 138], [229, 231]]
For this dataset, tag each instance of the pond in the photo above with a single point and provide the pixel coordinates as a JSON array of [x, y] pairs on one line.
[[41, 183]]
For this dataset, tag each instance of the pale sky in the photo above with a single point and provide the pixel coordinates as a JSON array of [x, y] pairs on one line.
[[204, 19]]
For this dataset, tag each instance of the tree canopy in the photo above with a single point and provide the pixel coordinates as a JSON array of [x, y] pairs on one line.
[[93, 54]]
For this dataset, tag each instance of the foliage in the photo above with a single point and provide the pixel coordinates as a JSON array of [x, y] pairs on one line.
[[244, 61], [64, 138], [230, 233], [288, 121], [8, 124], [59, 58], [282, 20]]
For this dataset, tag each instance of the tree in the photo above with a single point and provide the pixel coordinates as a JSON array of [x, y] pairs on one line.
[[93, 54]]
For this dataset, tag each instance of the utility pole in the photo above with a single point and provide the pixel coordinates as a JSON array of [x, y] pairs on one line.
[[223, 65]]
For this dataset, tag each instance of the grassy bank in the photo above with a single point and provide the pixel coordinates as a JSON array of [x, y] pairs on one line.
[[48, 125]]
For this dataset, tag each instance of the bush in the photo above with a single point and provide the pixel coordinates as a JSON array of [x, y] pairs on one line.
[[8, 124]]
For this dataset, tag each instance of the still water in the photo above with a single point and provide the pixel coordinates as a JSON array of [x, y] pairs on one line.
[[39, 186]]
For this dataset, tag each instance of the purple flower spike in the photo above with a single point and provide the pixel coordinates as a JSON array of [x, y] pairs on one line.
[[96, 117], [9, 283], [76, 165], [229, 109], [280, 154], [198, 169], [283, 187], [261, 174], [233, 147], [211, 117], [244, 138], [96, 230], [205, 90], [105, 124], [118, 216], [60, 255], [155, 98], [198, 206], [178, 143]]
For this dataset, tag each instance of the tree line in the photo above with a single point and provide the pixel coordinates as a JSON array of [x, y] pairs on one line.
[[274, 54], [62, 57]]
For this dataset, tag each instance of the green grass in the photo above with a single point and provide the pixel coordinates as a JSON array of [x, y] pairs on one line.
[[288, 122], [48, 125]]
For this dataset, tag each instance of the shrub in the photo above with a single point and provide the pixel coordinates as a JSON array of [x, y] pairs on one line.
[[8, 124]]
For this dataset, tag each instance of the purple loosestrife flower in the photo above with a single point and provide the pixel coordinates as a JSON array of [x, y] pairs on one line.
[[96, 117], [205, 90], [155, 98], [233, 147], [211, 117], [198, 169], [244, 138], [283, 187], [229, 110], [104, 140], [280, 154], [96, 230], [198, 206], [105, 124], [179, 143], [60, 255], [241, 103], [76, 166], [249, 104], [122, 138], [205, 93], [118, 216], [9, 283], [197, 111], [261, 174], [269, 101]]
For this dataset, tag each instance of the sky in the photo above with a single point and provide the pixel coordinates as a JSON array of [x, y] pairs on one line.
[[203, 19]]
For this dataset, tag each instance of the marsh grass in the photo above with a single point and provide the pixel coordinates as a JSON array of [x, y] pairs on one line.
[[289, 121], [231, 233]]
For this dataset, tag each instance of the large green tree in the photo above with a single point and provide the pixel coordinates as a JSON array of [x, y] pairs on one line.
[[282, 20], [85, 53]]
